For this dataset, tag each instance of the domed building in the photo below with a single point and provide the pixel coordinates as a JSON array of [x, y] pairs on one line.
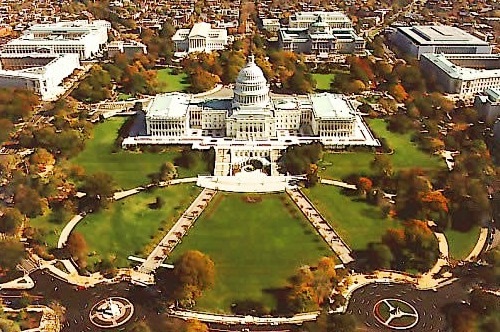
[[251, 122]]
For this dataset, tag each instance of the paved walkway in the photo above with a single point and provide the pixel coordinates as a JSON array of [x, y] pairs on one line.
[[63, 238], [322, 226], [174, 236], [223, 319], [338, 184], [122, 194], [481, 242], [24, 282]]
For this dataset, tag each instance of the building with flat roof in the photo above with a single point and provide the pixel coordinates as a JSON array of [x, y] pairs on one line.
[[487, 105], [200, 38], [425, 39], [335, 19], [84, 38], [463, 74], [320, 38], [130, 48], [41, 73]]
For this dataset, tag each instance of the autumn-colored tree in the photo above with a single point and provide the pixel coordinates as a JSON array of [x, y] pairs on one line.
[[42, 157], [77, 247], [364, 185], [29, 202], [398, 92], [195, 272], [6, 127]]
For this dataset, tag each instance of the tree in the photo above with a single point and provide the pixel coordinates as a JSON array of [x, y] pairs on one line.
[[382, 166], [10, 221], [312, 175], [12, 254], [99, 185], [6, 127], [77, 247], [195, 272], [398, 92], [364, 185], [42, 157], [7, 325], [341, 323], [167, 171], [29, 202], [379, 256]]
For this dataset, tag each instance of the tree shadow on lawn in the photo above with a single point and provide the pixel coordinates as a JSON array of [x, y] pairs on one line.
[[281, 296]]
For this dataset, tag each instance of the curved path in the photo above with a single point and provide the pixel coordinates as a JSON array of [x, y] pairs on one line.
[[235, 319]]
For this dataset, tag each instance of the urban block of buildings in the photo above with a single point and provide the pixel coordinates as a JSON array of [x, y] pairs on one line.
[[252, 122], [41, 73], [425, 39], [464, 75], [200, 38], [87, 39], [46, 54]]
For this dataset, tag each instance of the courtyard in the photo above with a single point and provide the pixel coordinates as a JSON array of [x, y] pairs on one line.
[[257, 242]]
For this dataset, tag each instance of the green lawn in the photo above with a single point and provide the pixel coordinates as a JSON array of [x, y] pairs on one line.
[[129, 225], [50, 229], [461, 243], [406, 155], [172, 82], [256, 247], [128, 168], [323, 81], [357, 222]]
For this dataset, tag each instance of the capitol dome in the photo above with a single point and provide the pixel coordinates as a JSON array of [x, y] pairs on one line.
[[251, 88]]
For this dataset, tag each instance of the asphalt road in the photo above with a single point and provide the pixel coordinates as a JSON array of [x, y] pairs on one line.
[[78, 303], [429, 304]]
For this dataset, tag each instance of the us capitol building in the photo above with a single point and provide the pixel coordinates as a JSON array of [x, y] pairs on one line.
[[250, 123]]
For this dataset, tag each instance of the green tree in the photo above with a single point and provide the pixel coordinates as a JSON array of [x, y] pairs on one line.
[[100, 185], [12, 254], [10, 221], [382, 166], [7, 325]]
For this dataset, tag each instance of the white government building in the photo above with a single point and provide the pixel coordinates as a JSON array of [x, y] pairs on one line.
[[463, 75], [200, 38], [422, 39], [321, 37], [41, 73], [252, 123], [84, 38]]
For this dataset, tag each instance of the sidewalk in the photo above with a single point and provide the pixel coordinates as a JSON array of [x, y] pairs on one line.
[[226, 319], [321, 225], [175, 234]]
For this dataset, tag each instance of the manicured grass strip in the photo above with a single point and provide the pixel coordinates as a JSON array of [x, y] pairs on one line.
[[406, 155], [256, 247], [460, 244], [323, 81], [128, 168], [357, 222], [127, 226], [172, 82]]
